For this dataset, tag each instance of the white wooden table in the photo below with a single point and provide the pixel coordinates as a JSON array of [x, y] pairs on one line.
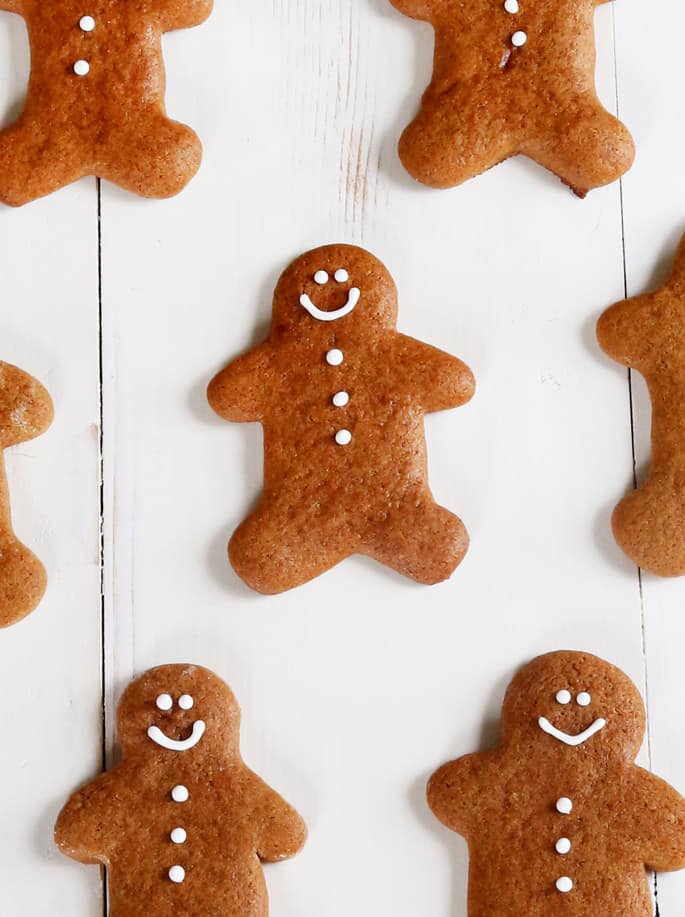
[[356, 686]]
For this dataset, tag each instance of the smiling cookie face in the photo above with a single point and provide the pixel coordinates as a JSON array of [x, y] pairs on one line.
[[332, 286], [565, 701], [177, 709]]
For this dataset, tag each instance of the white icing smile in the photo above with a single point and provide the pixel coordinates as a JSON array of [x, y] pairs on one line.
[[315, 312], [159, 738], [567, 739]]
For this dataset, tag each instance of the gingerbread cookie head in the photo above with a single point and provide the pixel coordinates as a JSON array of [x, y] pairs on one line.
[[569, 700], [179, 709], [332, 287]]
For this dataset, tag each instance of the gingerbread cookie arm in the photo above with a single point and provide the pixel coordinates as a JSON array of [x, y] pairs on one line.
[[415, 9], [624, 330], [436, 379], [13, 6], [281, 832], [91, 819], [661, 811], [450, 792], [241, 391], [182, 14]]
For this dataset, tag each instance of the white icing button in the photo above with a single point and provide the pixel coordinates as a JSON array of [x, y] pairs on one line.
[[180, 793], [564, 884], [81, 67], [177, 874], [185, 702], [341, 275], [164, 702], [511, 6], [340, 399], [179, 835], [343, 437], [518, 39], [321, 277], [583, 699], [564, 805], [334, 357], [563, 846], [564, 697], [86, 23]]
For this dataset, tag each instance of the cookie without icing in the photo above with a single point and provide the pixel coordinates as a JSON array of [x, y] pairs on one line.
[[341, 396], [559, 820], [25, 412], [181, 823], [509, 77], [95, 102], [647, 333]]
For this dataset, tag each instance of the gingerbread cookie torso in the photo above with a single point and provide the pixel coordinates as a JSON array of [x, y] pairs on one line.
[[559, 819], [513, 77], [341, 397], [647, 333], [181, 823], [25, 412], [95, 101]]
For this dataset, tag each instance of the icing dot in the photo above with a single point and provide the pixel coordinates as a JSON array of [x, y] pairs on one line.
[[178, 835], [340, 399], [185, 702], [562, 846], [177, 874], [343, 437], [583, 699], [564, 805], [341, 275], [81, 67], [564, 697], [518, 39], [164, 702], [86, 23], [511, 6], [321, 277], [180, 793], [334, 357], [564, 884]]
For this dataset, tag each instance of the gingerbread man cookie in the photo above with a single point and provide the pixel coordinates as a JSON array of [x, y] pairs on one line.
[[647, 333], [181, 823], [95, 102], [25, 412], [341, 396], [510, 77], [559, 820]]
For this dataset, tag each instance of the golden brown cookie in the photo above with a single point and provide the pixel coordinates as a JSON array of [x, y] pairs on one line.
[[647, 333], [559, 820], [95, 103], [509, 77], [341, 396], [181, 823], [25, 412]]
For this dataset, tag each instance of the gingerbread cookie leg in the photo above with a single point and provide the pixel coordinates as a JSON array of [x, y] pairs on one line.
[[588, 147], [155, 157], [280, 546], [444, 146], [33, 164], [421, 540]]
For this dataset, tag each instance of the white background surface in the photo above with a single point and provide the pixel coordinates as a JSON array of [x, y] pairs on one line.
[[356, 686]]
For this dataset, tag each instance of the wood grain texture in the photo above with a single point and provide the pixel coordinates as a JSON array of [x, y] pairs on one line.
[[356, 686]]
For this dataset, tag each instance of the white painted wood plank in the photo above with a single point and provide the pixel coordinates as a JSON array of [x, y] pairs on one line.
[[650, 81], [356, 686], [50, 719]]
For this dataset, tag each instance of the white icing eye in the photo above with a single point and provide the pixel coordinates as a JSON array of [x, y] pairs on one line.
[[583, 699], [341, 275], [185, 702], [564, 697], [321, 277], [164, 702]]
